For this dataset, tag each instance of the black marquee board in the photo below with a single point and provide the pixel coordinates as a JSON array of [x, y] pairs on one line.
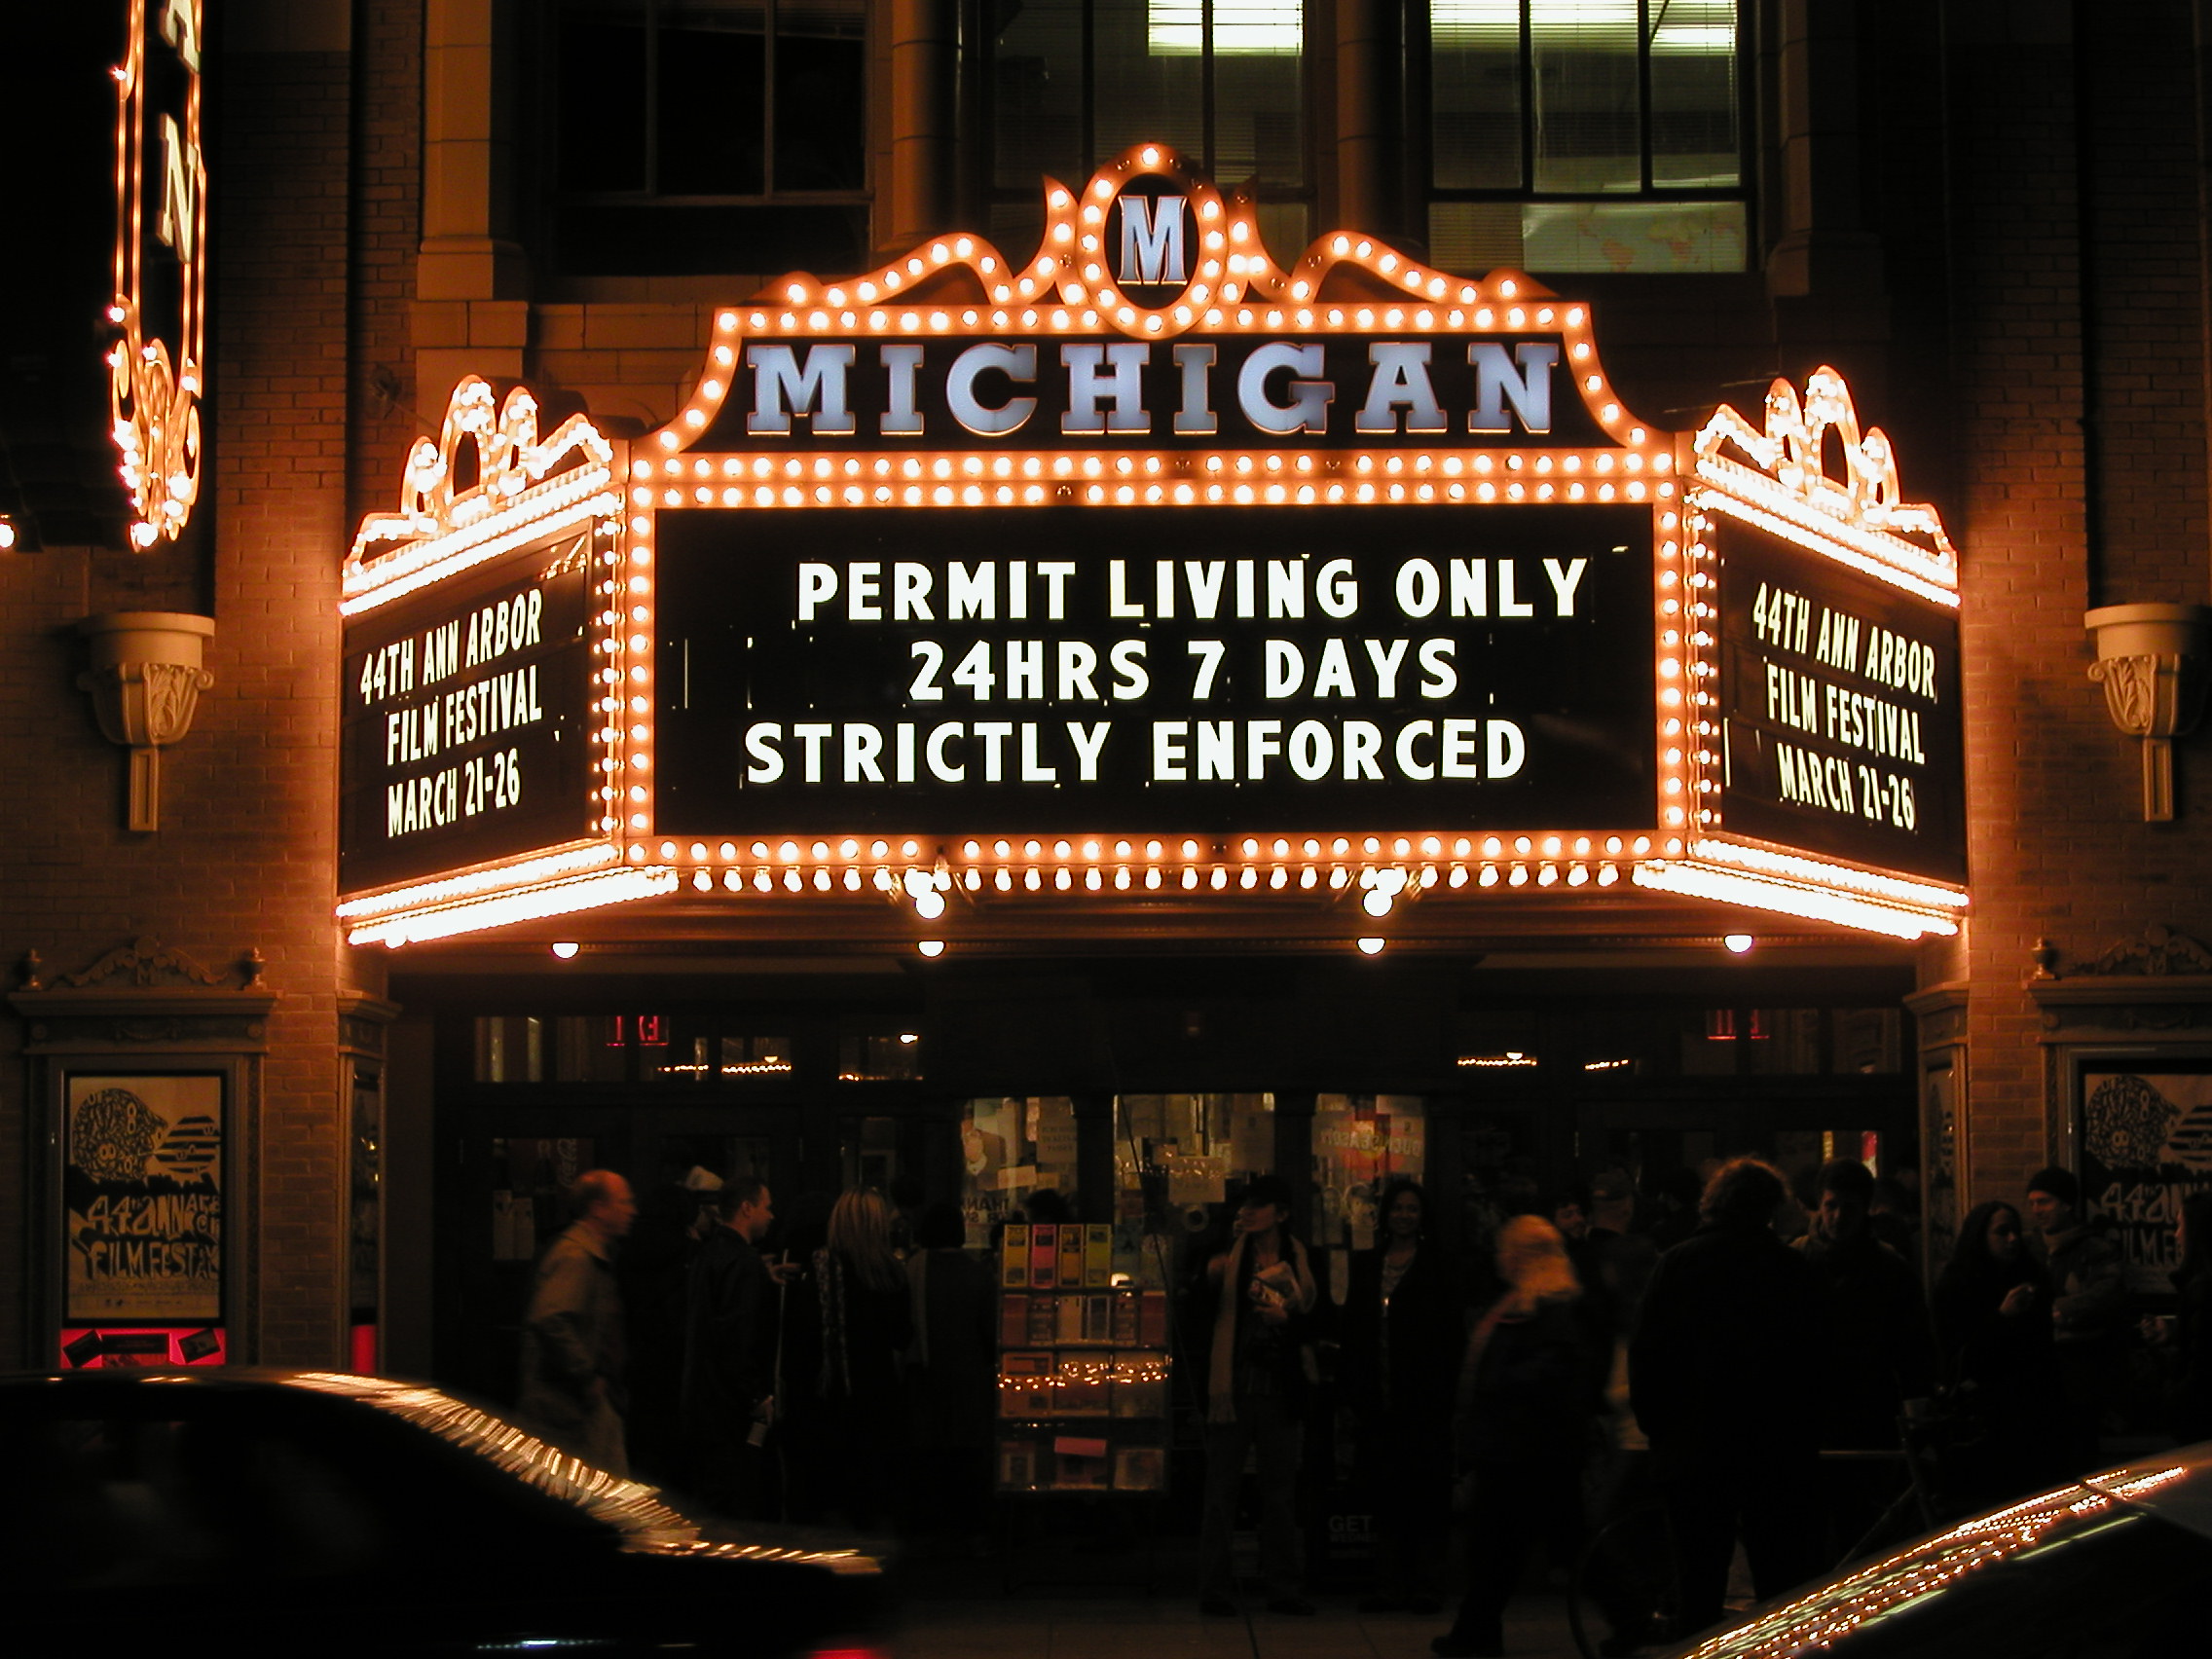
[[473, 744], [1842, 717], [741, 672]]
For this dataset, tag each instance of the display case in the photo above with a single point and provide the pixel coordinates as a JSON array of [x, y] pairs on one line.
[[1083, 1366]]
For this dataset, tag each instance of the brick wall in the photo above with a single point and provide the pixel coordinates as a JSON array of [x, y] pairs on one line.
[[245, 855], [262, 819], [386, 230], [2078, 355]]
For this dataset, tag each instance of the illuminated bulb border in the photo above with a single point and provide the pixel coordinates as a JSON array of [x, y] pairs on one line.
[[1735, 887], [153, 399], [532, 904], [1810, 872], [450, 534], [490, 879]]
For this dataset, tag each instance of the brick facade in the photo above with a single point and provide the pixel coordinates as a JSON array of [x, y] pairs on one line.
[[1995, 229]]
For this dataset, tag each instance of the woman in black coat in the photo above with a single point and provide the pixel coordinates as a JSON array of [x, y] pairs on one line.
[[1992, 1308], [1400, 1333]]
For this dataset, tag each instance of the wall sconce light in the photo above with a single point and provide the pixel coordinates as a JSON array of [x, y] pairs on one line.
[[2151, 661], [145, 681]]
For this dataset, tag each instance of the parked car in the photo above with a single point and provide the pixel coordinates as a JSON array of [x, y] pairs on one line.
[[2113, 1567], [237, 1511]]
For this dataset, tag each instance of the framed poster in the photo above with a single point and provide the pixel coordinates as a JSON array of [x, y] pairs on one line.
[[2146, 1138], [142, 1196]]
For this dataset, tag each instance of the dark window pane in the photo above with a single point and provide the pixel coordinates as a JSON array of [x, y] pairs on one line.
[[820, 90], [1037, 96], [712, 72], [680, 242], [600, 90]]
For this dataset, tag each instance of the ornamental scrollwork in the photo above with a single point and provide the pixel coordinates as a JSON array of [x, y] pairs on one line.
[[143, 963], [2161, 952], [1788, 450]]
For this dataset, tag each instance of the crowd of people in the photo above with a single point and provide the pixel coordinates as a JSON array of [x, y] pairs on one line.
[[1598, 1351]]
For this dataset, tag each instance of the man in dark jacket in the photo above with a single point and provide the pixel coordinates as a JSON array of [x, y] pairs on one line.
[[2088, 1311], [1731, 1325], [1879, 1346], [729, 1353], [573, 1350]]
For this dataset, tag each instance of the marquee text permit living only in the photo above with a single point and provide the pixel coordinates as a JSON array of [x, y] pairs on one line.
[[1387, 665]]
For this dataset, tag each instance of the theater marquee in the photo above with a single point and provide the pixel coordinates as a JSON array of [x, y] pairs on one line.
[[1142, 567]]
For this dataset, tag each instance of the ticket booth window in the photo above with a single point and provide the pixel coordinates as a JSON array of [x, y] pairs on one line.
[[1011, 1149], [1361, 1143]]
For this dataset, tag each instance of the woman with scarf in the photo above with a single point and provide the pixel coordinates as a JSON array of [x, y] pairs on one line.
[[1251, 1304]]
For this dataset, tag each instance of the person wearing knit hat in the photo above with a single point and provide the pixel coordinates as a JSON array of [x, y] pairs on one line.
[[2089, 1310], [2060, 1184]]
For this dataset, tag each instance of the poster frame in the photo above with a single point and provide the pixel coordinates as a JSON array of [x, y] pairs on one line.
[[2082, 1061], [229, 1075]]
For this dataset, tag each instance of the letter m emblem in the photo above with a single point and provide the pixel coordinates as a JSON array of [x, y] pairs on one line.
[[1152, 239]]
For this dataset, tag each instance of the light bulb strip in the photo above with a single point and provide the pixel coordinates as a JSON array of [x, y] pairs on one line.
[[1066, 289], [1758, 500], [153, 385], [1788, 461], [721, 481], [1695, 742], [1736, 887], [516, 475], [535, 904], [1798, 866], [490, 878], [568, 503]]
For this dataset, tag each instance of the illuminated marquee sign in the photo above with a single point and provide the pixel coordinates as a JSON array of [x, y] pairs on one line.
[[1144, 566], [1304, 669], [160, 260]]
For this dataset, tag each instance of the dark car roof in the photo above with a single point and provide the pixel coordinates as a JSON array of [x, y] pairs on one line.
[[2174, 1487], [639, 1512]]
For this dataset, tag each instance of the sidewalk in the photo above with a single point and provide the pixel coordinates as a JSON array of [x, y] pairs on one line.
[[962, 1613]]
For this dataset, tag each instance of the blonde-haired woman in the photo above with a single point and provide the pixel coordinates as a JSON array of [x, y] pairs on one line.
[[866, 1322], [1528, 1389]]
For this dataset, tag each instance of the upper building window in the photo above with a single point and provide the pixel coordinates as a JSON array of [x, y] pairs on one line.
[[1070, 84], [1585, 136], [698, 136]]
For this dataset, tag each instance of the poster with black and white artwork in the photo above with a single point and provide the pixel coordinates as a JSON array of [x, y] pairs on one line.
[[2146, 1146], [142, 1196]]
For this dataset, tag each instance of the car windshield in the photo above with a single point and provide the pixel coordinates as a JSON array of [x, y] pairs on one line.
[[2072, 1574]]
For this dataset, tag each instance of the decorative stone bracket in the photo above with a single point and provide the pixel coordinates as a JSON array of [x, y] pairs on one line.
[[2151, 661], [145, 681]]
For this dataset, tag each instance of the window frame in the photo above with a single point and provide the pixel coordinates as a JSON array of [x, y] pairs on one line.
[[980, 90], [768, 195], [1420, 132]]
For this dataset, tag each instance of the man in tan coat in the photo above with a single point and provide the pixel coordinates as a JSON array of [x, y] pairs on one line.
[[571, 1337]]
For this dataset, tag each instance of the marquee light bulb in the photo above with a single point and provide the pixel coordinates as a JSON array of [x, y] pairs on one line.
[[1739, 943], [566, 949], [1372, 946], [931, 947]]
